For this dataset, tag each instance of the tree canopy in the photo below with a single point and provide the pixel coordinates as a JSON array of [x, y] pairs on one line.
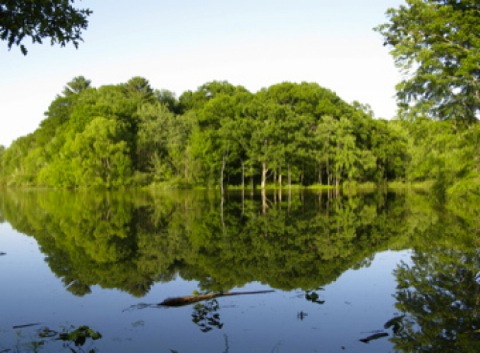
[[58, 20], [437, 45], [221, 135]]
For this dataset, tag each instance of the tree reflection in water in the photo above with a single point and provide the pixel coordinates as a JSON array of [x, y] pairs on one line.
[[68, 339], [206, 315], [442, 299], [439, 292], [130, 241]]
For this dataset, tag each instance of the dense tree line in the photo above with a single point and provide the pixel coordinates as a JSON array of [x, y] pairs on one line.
[[221, 134], [290, 133], [131, 134]]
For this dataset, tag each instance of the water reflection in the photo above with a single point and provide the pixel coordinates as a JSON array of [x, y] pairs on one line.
[[206, 315], [67, 339], [313, 296], [440, 296], [130, 241]]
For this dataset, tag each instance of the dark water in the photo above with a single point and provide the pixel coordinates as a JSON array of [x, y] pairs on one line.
[[85, 272]]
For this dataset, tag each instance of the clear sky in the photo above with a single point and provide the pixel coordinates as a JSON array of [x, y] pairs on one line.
[[181, 44]]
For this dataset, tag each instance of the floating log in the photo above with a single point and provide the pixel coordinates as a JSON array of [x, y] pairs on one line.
[[191, 299], [375, 336]]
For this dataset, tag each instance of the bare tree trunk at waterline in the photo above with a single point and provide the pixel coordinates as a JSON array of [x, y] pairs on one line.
[[280, 178], [222, 172], [289, 178], [243, 176], [264, 175]]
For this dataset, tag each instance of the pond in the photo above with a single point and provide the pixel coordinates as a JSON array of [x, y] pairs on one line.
[[282, 272]]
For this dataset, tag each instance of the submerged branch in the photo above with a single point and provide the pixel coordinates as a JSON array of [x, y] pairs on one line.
[[26, 325], [375, 336], [191, 299]]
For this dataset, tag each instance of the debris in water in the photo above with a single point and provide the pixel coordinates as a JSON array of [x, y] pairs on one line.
[[375, 336], [26, 325], [301, 315], [191, 299]]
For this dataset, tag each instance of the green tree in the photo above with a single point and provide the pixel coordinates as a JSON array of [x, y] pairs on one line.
[[195, 100], [14, 168], [77, 85], [268, 136], [440, 151], [324, 151], [218, 135], [168, 99], [162, 144], [217, 107], [152, 136], [139, 90], [58, 20], [390, 150], [437, 45], [45, 143], [100, 155], [48, 135]]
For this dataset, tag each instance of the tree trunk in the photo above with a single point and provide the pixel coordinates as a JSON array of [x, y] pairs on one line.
[[222, 219], [264, 201], [264, 175], [185, 171], [328, 172], [252, 185], [289, 178], [222, 172], [289, 199], [243, 176], [320, 181], [337, 182], [243, 202], [337, 177], [280, 178]]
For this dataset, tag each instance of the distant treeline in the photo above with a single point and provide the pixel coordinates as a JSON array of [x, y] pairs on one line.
[[290, 133]]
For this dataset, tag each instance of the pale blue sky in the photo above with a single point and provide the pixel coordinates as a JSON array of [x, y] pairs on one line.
[[182, 44]]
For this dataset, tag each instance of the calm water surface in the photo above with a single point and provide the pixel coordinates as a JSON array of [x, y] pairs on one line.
[[85, 272]]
